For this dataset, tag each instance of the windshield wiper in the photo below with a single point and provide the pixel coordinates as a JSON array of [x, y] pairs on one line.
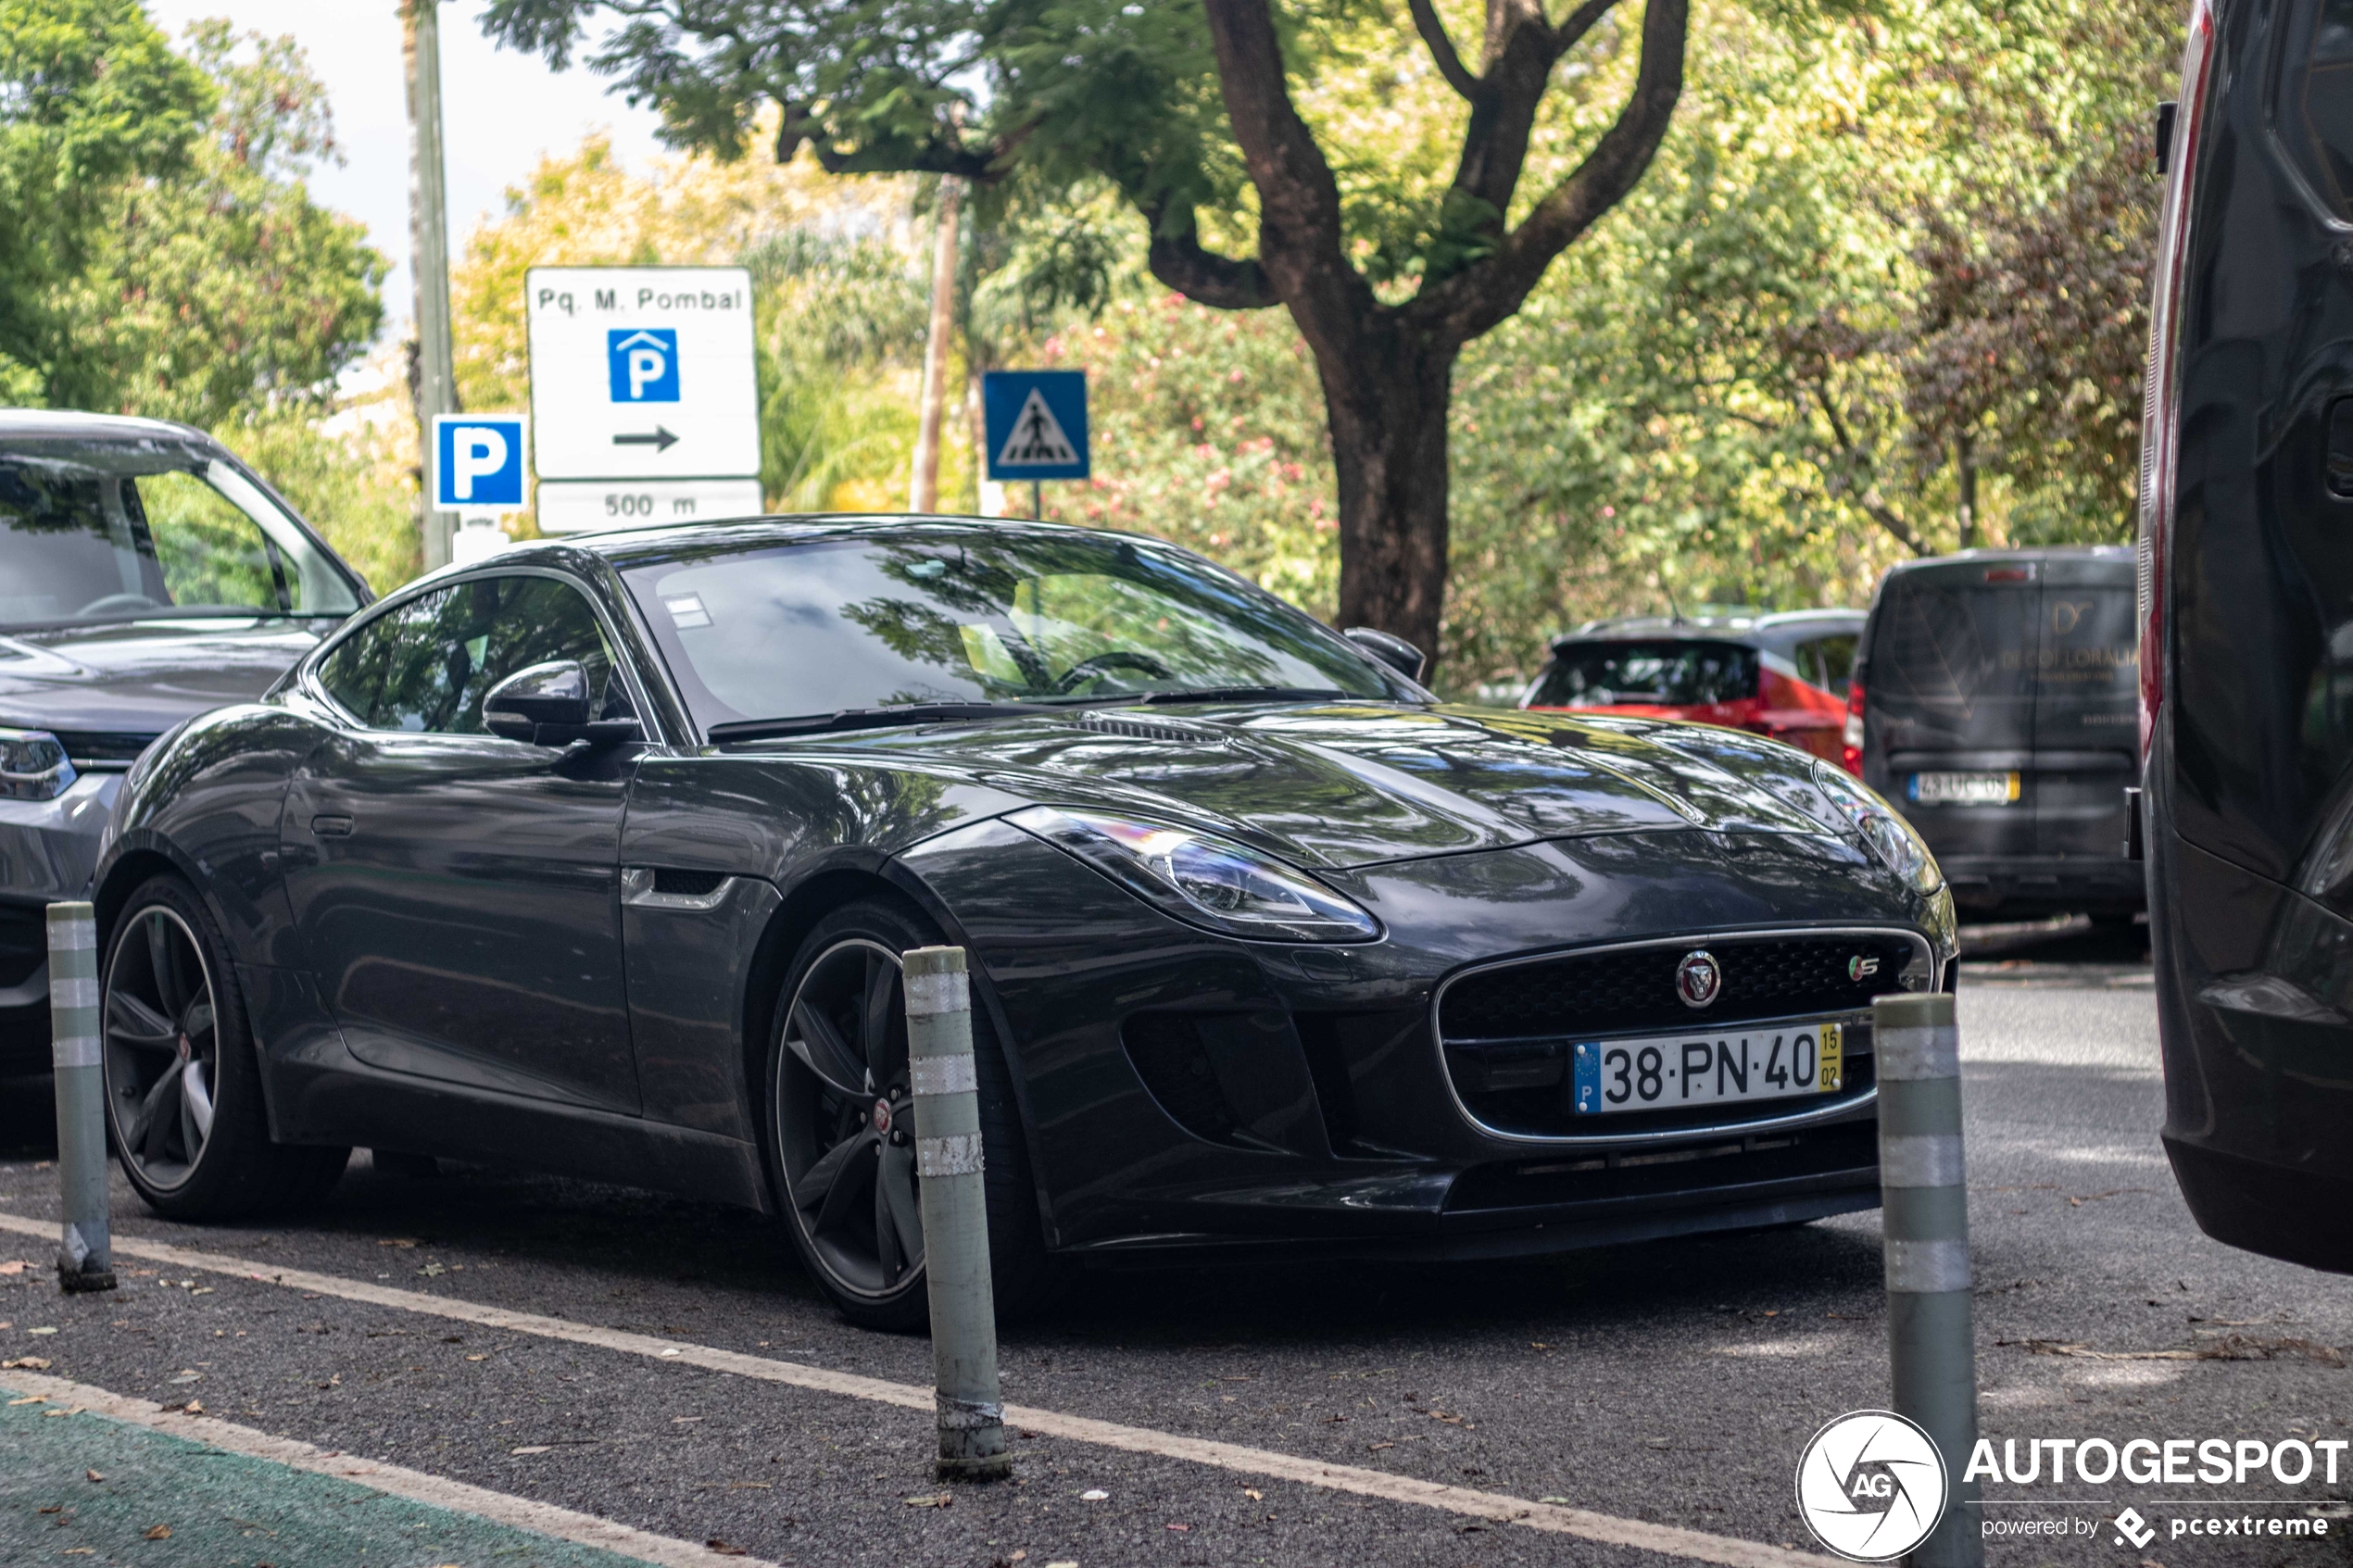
[[868, 719], [1244, 694]]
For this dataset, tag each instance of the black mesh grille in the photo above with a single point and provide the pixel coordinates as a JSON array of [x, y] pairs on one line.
[[1629, 990], [1174, 1063], [24, 942], [686, 884], [104, 746]]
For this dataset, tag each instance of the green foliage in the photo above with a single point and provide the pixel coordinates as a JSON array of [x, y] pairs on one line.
[[356, 483], [207, 285], [91, 96]]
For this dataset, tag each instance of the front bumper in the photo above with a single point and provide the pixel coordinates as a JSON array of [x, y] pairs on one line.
[[48, 851], [1185, 1090]]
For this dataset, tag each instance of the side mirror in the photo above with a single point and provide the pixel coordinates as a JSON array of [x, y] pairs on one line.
[[548, 705], [1395, 652]]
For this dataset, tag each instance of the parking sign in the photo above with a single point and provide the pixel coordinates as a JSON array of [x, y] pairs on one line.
[[643, 373], [641, 363], [477, 463]]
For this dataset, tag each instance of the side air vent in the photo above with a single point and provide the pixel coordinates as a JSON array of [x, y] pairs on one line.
[[685, 883], [1172, 1059]]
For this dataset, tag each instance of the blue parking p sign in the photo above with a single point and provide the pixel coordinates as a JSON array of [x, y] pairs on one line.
[[641, 364], [477, 462], [1037, 423]]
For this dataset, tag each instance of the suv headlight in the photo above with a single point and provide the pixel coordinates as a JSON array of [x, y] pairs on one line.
[[33, 766], [1203, 880], [1888, 834]]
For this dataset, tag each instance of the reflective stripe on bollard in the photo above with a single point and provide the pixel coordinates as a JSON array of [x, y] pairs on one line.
[[86, 1250], [1932, 1345], [955, 1206]]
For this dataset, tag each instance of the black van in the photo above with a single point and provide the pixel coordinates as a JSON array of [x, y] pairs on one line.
[[2247, 633], [1994, 691]]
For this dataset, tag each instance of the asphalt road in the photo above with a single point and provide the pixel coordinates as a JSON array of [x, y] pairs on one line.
[[1672, 1382]]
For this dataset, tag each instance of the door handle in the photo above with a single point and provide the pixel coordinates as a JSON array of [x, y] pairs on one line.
[[2340, 456], [331, 826]]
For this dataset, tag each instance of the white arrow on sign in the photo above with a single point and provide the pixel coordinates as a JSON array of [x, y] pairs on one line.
[[1036, 440]]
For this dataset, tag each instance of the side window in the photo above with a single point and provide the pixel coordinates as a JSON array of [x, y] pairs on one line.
[[211, 552], [387, 656], [427, 665], [1828, 662], [2314, 115]]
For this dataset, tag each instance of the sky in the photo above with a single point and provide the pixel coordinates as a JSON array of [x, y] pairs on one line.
[[500, 112]]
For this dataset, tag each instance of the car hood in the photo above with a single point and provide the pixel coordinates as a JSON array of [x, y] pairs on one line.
[[134, 681], [1346, 784]]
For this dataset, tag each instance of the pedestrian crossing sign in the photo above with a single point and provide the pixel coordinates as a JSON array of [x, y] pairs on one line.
[[1037, 423]]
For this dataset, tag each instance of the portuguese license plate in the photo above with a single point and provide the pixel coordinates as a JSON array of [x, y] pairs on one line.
[[1964, 789], [1670, 1072]]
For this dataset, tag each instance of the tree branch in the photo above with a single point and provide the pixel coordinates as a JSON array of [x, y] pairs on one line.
[[1178, 258], [1489, 291], [1876, 510], [1300, 242], [1441, 52]]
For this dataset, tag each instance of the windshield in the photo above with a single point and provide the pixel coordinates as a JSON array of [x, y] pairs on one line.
[[1665, 674], [124, 530], [963, 615]]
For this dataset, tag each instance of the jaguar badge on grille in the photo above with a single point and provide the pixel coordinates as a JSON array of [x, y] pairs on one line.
[[1860, 968], [1698, 978]]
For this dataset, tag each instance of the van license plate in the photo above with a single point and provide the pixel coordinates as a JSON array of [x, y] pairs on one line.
[[1963, 789], [1665, 1072]]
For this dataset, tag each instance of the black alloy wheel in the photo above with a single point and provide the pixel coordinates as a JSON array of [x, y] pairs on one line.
[[162, 1046], [846, 1128], [182, 1085]]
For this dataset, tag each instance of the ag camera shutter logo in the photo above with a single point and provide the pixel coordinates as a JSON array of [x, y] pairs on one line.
[[1871, 1485]]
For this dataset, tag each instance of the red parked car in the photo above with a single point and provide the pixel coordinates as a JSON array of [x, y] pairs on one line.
[[1782, 675]]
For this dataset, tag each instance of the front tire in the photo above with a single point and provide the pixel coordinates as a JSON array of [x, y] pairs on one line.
[[840, 1128], [184, 1111]]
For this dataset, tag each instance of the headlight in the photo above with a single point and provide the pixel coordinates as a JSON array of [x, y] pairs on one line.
[[1203, 880], [33, 766], [1888, 835]]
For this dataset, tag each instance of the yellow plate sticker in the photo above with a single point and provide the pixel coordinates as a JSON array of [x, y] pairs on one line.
[[1832, 1075]]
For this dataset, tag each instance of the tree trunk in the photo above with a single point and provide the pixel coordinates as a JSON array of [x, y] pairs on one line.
[[1387, 396], [923, 490]]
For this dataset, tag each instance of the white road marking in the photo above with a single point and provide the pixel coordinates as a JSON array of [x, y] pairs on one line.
[[542, 1518], [1670, 1540]]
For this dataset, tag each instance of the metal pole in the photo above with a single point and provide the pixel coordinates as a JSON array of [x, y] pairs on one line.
[[1931, 1339], [1037, 499], [437, 384], [86, 1250], [948, 1159]]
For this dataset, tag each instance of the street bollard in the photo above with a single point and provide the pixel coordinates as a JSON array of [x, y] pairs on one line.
[[1930, 1337], [955, 1209], [86, 1250]]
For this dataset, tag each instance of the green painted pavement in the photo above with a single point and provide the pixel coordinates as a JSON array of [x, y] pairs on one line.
[[223, 1509]]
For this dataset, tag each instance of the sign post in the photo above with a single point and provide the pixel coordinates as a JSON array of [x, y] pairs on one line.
[[644, 395], [477, 473], [1036, 427]]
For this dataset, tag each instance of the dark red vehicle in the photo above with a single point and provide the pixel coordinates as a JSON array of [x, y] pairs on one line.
[[1781, 675]]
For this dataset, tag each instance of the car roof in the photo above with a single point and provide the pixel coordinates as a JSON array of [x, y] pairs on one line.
[[625, 546], [51, 424], [1765, 629], [2061, 565]]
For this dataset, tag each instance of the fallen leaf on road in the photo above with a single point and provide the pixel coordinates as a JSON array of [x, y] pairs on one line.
[[1552, 1500], [1065, 1563], [1253, 1494], [201, 1290], [41, 1331], [28, 1400], [78, 1551], [194, 1407], [1093, 1494], [477, 1358], [1179, 1526], [930, 1499], [94, 1475], [1377, 1447], [17, 1266], [722, 1548], [1538, 1345], [52, 1412], [433, 1271], [160, 1533], [530, 1448], [2230, 1348], [1442, 1416], [396, 1241]]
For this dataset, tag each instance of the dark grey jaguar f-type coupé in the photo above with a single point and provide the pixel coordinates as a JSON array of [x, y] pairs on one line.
[[599, 858]]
